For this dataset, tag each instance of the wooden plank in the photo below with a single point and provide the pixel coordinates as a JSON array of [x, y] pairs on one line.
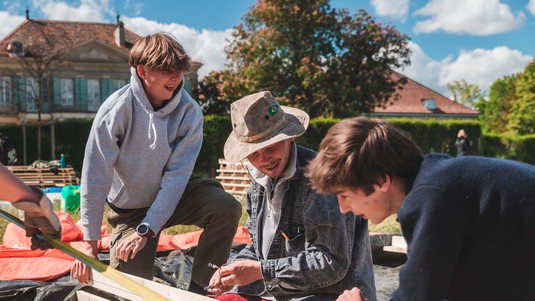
[[102, 283], [399, 245], [44, 177], [85, 296], [234, 177]]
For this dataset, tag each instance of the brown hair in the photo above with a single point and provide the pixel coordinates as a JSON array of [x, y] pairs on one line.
[[359, 152], [159, 51]]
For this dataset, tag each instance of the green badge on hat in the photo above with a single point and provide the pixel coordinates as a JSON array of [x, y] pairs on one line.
[[273, 110]]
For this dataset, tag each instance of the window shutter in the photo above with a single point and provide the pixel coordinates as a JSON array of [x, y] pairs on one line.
[[81, 93], [57, 91], [46, 97], [15, 90], [107, 88]]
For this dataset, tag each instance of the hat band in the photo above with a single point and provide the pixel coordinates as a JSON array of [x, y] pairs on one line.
[[277, 126]]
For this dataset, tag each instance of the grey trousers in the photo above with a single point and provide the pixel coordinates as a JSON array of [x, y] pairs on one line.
[[204, 204]]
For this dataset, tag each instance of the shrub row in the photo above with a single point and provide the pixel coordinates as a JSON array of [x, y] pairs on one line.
[[431, 135]]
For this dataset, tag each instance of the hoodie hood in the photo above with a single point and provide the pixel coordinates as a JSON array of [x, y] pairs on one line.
[[142, 100]]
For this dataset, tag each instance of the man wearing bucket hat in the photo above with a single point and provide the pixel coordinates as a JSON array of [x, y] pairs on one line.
[[302, 247]]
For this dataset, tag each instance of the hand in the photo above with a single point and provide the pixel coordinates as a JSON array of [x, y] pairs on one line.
[[352, 295], [128, 247], [40, 217], [80, 270], [215, 286], [240, 273]]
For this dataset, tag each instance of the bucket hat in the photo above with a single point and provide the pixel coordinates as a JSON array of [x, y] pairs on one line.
[[259, 121]]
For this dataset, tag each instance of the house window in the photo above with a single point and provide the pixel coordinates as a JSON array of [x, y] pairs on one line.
[[67, 92], [93, 95], [5, 90], [118, 84], [429, 103], [32, 93]]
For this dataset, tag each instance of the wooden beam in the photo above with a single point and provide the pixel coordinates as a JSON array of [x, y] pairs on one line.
[[105, 284]]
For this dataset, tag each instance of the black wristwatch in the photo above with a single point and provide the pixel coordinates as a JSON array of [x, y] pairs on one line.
[[144, 230]]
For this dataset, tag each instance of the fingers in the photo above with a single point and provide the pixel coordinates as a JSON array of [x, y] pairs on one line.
[[130, 246], [219, 290], [215, 286], [40, 244], [241, 272], [82, 272], [351, 295], [47, 210], [229, 280]]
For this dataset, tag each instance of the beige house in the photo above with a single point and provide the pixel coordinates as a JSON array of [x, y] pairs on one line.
[[57, 70]]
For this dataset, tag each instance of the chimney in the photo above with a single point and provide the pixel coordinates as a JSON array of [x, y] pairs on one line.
[[119, 34]]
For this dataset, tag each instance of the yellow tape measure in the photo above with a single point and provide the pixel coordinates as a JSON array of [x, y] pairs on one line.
[[104, 269]]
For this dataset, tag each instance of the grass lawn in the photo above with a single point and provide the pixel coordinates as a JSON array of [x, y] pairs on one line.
[[76, 216], [387, 226]]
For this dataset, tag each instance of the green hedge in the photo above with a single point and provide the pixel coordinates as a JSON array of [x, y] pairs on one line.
[[431, 135], [216, 130]]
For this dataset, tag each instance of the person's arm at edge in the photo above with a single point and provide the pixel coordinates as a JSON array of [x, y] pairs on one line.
[[38, 209]]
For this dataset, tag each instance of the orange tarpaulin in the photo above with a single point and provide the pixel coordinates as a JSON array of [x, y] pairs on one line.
[[19, 262]]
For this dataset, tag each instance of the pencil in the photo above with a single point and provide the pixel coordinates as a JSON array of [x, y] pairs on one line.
[[285, 236]]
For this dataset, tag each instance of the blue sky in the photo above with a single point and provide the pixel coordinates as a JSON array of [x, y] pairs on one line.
[[477, 41]]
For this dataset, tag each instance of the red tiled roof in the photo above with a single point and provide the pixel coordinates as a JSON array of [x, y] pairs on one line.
[[411, 98], [68, 34], [65, 34]]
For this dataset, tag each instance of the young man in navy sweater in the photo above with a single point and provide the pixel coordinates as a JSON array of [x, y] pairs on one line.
[[469, 222]]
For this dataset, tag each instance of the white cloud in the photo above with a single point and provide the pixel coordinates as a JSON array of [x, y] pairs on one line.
[[87, 10], [475, 17], [206, 46], [531, 7], [137, 7], [479, 66], [9, 23], [423, 69], [483, 66], [397, 9]]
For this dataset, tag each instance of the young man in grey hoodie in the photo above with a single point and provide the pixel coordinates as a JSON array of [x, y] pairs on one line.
[[139, 160]]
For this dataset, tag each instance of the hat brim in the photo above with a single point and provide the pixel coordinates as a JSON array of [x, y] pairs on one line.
[[296, 124]]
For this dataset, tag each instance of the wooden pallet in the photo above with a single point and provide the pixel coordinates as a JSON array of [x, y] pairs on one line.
[[44, 177], [233, 177]]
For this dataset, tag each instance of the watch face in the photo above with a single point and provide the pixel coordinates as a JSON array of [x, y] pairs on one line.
[[142, 229]]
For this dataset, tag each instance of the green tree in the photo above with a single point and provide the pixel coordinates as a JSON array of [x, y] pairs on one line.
[[465, 93], [39, 62], [219, 88], [494, 111], [317, 58], [522, 115]]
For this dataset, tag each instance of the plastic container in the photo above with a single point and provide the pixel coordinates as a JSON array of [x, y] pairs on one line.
[[52, 189], [70, 198], [62, 163]]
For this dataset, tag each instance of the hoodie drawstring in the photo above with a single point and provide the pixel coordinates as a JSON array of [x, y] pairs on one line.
[[152, 129]]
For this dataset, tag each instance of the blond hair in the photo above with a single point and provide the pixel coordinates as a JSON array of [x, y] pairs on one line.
[[160, 51]]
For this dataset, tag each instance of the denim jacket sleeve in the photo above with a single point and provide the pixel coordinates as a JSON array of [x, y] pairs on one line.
[[248, 252], [318, 257]]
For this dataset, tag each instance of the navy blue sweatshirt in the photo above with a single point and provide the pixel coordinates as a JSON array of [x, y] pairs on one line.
[[470, 227]]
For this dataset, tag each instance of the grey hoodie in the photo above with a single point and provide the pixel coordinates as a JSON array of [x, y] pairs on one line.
[[136, 157]]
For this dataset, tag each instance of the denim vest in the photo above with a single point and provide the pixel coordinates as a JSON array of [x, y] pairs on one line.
[[326, 252]]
